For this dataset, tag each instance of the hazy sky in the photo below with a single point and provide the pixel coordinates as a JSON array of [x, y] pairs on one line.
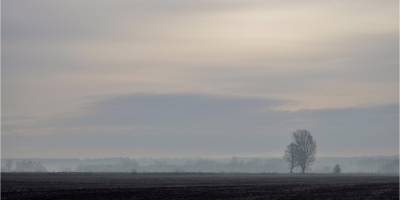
[[169, 78]]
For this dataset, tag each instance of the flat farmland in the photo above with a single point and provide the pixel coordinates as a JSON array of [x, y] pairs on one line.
[[184, 186]]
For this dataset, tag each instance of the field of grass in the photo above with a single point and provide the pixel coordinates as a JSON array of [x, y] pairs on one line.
[[156, 186]]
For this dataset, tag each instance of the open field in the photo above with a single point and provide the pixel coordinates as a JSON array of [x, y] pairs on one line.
[[195, 186]]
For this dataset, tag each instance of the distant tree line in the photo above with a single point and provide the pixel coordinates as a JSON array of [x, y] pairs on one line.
[[9, 165], [373, 164]]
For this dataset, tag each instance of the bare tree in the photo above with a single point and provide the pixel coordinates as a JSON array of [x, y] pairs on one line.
[[290, 156], [305, 149]]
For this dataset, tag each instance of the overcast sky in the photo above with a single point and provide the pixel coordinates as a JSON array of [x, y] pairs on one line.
[[210, 78]]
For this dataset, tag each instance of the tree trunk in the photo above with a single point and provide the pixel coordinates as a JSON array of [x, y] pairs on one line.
[[303, 169]]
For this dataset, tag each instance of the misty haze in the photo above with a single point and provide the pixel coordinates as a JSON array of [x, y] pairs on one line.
[[211, 99]]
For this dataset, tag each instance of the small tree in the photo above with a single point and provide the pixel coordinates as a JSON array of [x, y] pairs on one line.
[[337, 169], [305, 149], [290, 156]]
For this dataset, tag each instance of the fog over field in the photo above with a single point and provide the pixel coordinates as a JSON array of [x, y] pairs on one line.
[[374, 165]]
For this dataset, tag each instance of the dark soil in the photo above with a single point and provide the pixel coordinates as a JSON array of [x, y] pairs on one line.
[[43, 186]]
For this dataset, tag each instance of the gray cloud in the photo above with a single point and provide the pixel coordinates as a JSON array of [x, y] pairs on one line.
[[201, 125]]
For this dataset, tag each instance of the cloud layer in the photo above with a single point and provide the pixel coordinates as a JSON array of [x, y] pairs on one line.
[[188, 124], [236, 58]]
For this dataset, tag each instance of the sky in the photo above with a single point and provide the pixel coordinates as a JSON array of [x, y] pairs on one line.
[[210, 78]]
